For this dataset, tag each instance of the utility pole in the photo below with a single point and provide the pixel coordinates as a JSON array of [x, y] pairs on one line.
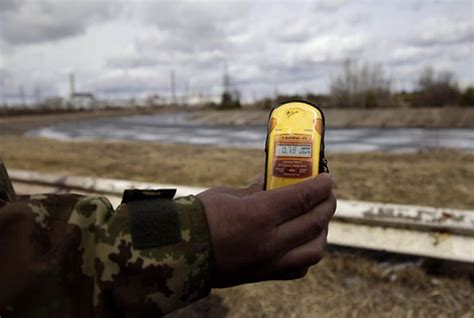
[[186, 92], [226, 79], [37, 95], [2, 83], [275, 91], [22, 96], [72, 84], [173, 88]]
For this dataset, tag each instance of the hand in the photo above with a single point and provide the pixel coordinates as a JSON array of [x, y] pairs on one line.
[[265, 235]]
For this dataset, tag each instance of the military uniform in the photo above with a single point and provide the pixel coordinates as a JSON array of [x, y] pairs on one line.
[[66, 255]]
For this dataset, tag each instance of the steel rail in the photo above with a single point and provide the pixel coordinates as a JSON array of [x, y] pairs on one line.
[[442, 233]]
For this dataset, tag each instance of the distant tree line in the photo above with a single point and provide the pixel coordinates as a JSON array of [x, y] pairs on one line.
[[367, 86], [229, 100], [357, 86], [438, 89], [361, 87]]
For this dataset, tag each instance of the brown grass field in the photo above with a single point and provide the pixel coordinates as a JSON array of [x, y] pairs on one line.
[[439, 178], [346, 283]]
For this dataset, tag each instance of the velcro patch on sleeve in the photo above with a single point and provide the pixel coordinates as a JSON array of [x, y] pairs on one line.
[[153, 223], [130, 195]]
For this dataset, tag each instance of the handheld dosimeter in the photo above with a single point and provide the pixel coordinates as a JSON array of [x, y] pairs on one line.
[[295, 144]]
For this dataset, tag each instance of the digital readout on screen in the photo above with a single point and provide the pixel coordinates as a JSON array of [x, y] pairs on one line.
[[293, 150]]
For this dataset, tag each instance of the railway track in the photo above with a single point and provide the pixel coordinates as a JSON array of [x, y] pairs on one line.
[[440, 233]]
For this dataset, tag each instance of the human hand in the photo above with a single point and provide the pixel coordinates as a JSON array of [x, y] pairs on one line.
[[268, 235]]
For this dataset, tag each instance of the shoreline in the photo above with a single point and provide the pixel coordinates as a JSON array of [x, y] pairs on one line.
[[429, 117]]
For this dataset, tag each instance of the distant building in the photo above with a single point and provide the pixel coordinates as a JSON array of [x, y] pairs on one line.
[[53, 102], [82, 100]]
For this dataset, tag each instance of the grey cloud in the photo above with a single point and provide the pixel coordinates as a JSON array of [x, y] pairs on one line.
[[118, 83], [10, 86], [441, 30], [296, 31], [131, 61], [194, 26], [332, 48], [205, 18], [157, 57], [330, 5], [7, 5], [359, 18], [274, 72], [462, 51], [42, 21], [197, 46], [288, 45], [411, 55], [5, 77], [175, 41]]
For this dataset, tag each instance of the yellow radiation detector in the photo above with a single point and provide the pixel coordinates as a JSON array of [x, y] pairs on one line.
[[295, 144]]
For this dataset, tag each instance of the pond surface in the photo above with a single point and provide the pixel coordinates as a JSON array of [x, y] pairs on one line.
[[174, 128]]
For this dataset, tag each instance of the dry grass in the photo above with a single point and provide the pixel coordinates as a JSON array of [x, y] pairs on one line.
[[345, 284], [141, 161], [443, 178], [438, 178]]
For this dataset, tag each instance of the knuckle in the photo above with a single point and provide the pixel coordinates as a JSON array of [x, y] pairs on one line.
[[332, 205], [324, 245], [327, 210], [326, 183], [304, 199], [315, 258], [296, 273], [284, 241], [327, 189], [316, 255], [317, 225], [301, 273], [310, 261]]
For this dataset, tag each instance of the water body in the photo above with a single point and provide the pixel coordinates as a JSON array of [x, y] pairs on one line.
[[174, 128]]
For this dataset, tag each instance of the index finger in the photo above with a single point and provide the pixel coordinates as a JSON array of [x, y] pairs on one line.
[[287, 202]]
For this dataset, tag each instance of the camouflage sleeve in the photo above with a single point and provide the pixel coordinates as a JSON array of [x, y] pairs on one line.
[[69, 255]]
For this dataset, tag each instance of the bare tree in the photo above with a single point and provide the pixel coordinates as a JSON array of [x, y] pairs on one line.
[[362, 87], [436, 89], [467, 98]]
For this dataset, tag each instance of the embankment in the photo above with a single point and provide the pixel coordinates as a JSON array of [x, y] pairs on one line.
[[450, 117]]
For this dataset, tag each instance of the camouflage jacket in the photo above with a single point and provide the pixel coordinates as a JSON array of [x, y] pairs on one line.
[[66, 255]]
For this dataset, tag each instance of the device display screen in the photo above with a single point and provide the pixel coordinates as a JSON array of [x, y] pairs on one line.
[[293, 150]]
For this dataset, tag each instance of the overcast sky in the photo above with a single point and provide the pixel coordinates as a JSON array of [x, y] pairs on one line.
[[124, 49]]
